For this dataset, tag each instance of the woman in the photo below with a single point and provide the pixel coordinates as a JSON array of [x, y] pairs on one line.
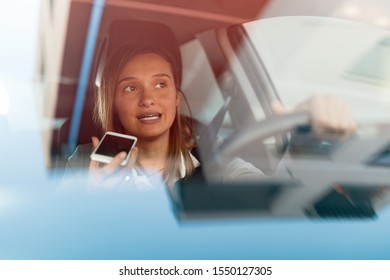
[[140, 95], [146, 104]]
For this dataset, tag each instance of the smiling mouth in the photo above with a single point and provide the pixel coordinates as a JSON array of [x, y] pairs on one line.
[[149, 117]]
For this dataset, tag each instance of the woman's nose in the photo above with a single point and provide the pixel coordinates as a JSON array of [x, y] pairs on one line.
[[147, 98]]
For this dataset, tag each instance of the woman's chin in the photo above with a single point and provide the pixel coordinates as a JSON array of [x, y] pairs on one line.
[[153, 135]]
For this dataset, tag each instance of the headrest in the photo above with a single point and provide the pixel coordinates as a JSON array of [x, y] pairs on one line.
[[141, 34]]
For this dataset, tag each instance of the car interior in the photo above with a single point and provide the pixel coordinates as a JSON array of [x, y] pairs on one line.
[[220, 67]]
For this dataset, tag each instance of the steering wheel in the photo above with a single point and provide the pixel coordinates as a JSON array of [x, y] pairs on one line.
[[257, 132]]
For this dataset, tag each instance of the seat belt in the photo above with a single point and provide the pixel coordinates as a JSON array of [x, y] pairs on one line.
[[208, 140]]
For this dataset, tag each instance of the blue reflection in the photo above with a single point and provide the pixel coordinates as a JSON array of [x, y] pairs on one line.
[[142, 225]]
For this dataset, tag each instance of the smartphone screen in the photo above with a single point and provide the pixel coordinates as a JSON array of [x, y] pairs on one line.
[[113, 145]]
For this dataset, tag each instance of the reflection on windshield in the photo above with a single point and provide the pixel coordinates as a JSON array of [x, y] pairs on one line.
[[327, 56]]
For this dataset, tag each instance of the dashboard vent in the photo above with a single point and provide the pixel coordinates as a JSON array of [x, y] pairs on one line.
[[348, 201]]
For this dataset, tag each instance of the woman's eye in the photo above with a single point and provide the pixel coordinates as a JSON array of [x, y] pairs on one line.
[[130, 88], [161, 85]]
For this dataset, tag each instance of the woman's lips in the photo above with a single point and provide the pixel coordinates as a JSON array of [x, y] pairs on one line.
[[149, 117]]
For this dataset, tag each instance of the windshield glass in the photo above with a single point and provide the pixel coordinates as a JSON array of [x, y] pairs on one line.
[[297, 203], [314, 55]]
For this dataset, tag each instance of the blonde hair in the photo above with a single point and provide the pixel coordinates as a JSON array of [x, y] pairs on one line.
[[181, 137]]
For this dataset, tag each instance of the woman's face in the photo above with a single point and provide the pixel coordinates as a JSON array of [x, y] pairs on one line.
[[146, 97]]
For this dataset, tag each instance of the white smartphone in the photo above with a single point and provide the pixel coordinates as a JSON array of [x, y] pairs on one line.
[[112, 144]]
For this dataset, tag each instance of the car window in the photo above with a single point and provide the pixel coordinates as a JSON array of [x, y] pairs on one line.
[[293, 59], [201, 87], [315, 55]]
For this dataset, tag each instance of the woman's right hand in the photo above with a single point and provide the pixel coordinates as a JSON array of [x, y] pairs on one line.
[[329, 115], [108, 176]]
